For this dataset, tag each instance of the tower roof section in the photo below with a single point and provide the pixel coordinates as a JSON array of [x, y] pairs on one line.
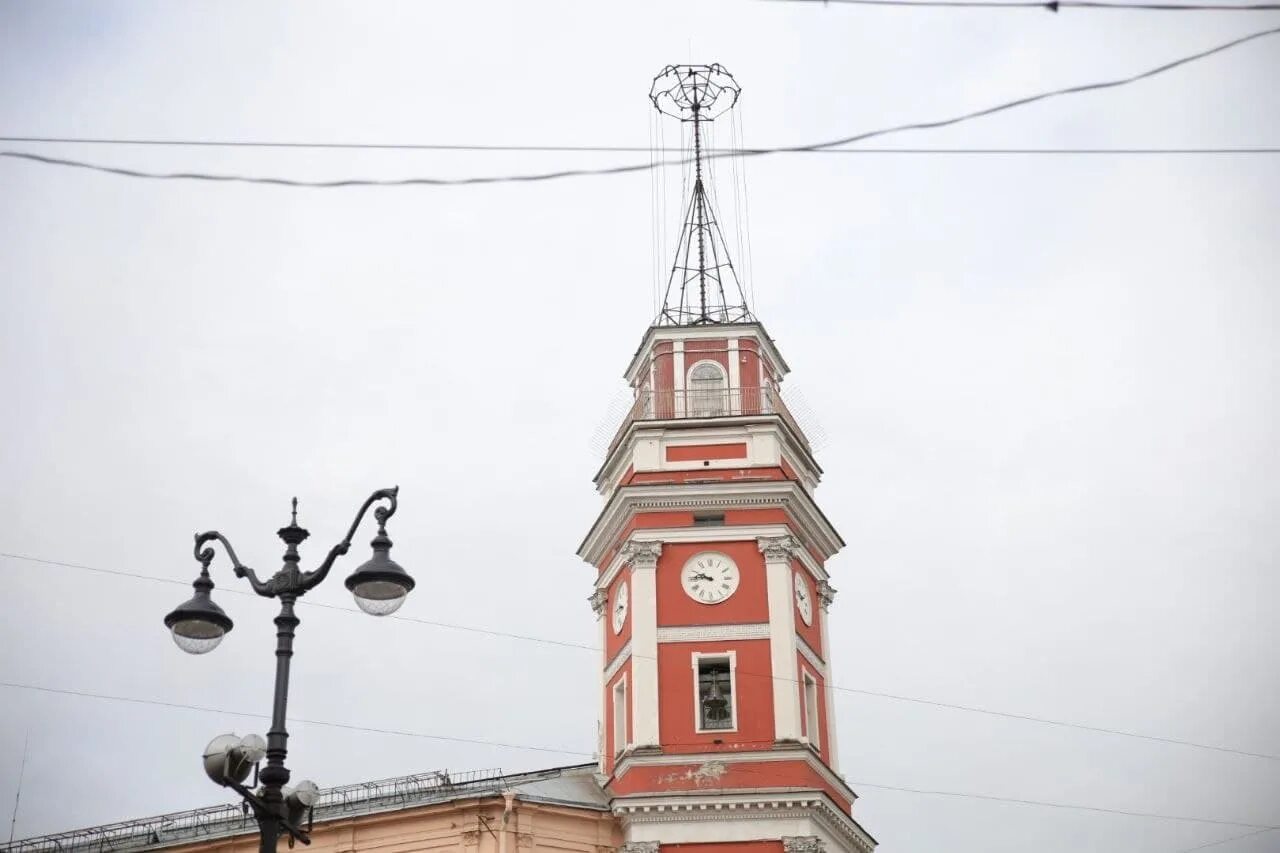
[[751, 328], [703, 287]]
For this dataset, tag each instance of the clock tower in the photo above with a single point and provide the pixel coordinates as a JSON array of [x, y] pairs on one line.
[[711, 554]]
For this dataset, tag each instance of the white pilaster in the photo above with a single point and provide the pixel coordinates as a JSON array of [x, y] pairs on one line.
[[777, 552], [826, 595], [598, 600], [677, 375], [643, 558], [735, 380]]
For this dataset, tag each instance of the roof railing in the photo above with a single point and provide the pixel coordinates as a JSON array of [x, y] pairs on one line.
[[226, 820], [701, 403]]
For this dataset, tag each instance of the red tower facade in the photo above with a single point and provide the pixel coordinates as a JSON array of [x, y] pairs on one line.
[[713, 596]]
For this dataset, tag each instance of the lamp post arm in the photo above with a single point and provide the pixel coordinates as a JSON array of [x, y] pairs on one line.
[[382, 513], [205, 556]]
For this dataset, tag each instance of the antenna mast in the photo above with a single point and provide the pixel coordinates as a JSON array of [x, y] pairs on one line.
[[697, 94]]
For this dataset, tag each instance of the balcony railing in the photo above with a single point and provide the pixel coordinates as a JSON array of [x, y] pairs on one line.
[[707, 403]]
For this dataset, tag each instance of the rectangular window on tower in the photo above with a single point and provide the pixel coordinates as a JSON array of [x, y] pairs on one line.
[[811, 709], [620, 716], [714, 679]]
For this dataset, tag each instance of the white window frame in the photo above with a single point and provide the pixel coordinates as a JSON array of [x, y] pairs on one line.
[[732, 657], [620, 715], [688, 374], [810, 700], [725, 390]]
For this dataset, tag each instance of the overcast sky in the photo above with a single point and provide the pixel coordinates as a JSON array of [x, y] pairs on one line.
[[1047, 386]]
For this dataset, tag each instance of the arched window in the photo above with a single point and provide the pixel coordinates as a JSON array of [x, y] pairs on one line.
[[708, 391]]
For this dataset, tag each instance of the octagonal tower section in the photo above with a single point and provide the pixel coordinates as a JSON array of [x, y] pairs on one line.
[[713, 598]]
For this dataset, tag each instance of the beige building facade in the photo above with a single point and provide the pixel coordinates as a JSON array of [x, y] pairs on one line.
[[561, 809]]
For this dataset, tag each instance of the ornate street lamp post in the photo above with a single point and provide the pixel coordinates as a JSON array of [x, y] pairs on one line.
[[198, 625]]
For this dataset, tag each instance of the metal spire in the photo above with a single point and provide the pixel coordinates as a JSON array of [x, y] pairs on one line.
[[698, 94]]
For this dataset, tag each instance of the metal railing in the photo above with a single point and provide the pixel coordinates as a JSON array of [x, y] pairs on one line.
[[699, 403], [229, 820]]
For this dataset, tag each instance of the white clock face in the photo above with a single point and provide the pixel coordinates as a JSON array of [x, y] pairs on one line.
[[621, 600], [804, 600], [709, 577]]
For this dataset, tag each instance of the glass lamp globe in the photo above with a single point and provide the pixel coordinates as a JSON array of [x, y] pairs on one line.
[[198, 625], [380, 586], [197, 637]]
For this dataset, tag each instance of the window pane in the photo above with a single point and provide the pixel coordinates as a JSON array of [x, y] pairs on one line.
[[715, 694], [707, 391]]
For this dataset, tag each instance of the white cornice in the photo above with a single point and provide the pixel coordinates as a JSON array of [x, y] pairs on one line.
[[813, 527], [759, 805], [728, 533]]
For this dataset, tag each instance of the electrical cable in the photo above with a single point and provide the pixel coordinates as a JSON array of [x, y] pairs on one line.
[[1053, 805], [641, 167], [1225, 840], [305, 603], [733, 151], [483, 742], [292, 719], [834, 687], [1053, 5]]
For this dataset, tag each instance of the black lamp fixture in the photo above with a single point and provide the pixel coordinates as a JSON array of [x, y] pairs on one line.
[[198, 626]]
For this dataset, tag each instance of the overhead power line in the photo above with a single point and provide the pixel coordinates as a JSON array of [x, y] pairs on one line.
[[1053, 805], [1226, 840], [479, 741], [305, 603], [638, 167], [1027, 718], [87, 694], [631, 149], [1054, 5]]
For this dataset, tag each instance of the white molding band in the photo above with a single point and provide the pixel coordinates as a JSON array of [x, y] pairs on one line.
[[766, 816], [713, 633], [811, 656], [617, 661]]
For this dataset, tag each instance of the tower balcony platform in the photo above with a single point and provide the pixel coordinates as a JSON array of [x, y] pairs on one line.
[[707, 405]]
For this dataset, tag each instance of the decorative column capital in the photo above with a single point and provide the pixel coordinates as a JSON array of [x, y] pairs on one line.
[[803, 844], [826, 594], [642, 554], [777, 549], [598, 599], [639, 847]]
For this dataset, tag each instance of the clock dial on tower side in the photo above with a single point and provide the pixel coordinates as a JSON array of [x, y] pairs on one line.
[[804, 599], [710, 577], [621, 603]]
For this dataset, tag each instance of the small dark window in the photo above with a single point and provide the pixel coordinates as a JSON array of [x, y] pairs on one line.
[[708, 519], [715, 694]]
